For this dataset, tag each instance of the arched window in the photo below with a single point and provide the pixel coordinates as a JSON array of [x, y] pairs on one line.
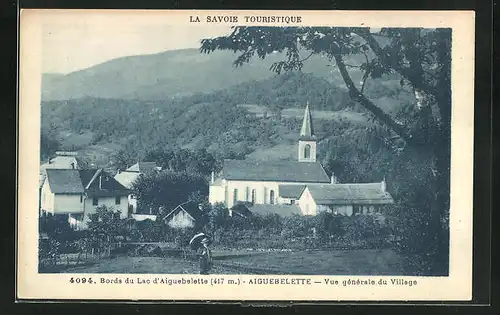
[[271, 197], [254, 196], [247, 194], [235, 196], [307, 151]]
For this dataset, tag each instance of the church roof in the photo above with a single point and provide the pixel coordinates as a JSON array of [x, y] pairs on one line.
[[349, 194], [307, 131], [280, 171]]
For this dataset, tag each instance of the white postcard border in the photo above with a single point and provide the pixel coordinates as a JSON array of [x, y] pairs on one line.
[[457, 286]]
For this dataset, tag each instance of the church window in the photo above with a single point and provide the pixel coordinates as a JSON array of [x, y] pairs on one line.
[[271, 197], [247, 194], [254, 196], [307, 151], [235, 195]]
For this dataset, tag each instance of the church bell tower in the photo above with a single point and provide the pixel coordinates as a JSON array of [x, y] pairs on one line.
[[307, 139]]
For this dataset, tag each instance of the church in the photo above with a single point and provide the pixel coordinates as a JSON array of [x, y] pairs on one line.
[[294, 187]]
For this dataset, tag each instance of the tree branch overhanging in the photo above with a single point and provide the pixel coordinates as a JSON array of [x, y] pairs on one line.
[[357, 96], [415, 78]]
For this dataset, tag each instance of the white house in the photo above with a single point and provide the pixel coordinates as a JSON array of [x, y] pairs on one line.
[[130, 175], [77, 194], [280, 182], [346, 199]]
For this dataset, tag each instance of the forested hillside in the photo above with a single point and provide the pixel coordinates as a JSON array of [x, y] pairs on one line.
[[219, 121], [164, 75]]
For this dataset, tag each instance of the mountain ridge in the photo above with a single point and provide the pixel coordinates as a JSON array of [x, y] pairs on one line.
[[172, 73]]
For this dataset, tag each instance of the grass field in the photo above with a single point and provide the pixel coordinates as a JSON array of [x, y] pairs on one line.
[[354, 262]]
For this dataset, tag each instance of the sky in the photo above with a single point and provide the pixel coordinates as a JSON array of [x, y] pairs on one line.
[[71, 47]]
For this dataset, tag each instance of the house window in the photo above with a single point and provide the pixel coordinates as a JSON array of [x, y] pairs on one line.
[[117, 200], [271, 197], [307, 151], [254, 196], [95, 201], [235, 195]]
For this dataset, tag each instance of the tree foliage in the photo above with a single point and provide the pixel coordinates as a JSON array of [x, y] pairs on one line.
[[167, 189], [420, 58]]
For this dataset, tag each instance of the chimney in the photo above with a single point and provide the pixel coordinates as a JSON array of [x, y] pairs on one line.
[[213, 177], [383, 185], [100, 182], [72, 165], [333, 179]]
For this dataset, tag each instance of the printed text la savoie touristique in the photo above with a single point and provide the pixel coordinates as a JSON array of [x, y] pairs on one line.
[[288, 19]]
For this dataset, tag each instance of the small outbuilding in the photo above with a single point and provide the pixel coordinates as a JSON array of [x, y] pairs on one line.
[[185, 215]]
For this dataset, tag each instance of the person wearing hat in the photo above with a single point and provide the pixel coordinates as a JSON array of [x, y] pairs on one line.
[[200, 243]]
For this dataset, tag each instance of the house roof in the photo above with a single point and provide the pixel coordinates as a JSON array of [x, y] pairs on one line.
[[189, 207], [93, 182], [281, 210], [127, 178], [58, 162], [282, 171], [242, 208], [291, 191], [64, 181], [307, 130], [99, 183], [344, 194], [142, 167]]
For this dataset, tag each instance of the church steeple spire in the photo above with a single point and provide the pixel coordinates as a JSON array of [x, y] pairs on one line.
[[307, 139], [307, 131]]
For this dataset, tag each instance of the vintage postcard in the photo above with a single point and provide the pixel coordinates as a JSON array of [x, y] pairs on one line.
[[245, 155]]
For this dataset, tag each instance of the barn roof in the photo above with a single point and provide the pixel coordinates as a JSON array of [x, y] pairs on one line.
[[348, 194], [291, 191], [64, 181], [189, 207], [282, 171], [242, 208], [281, 210]]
